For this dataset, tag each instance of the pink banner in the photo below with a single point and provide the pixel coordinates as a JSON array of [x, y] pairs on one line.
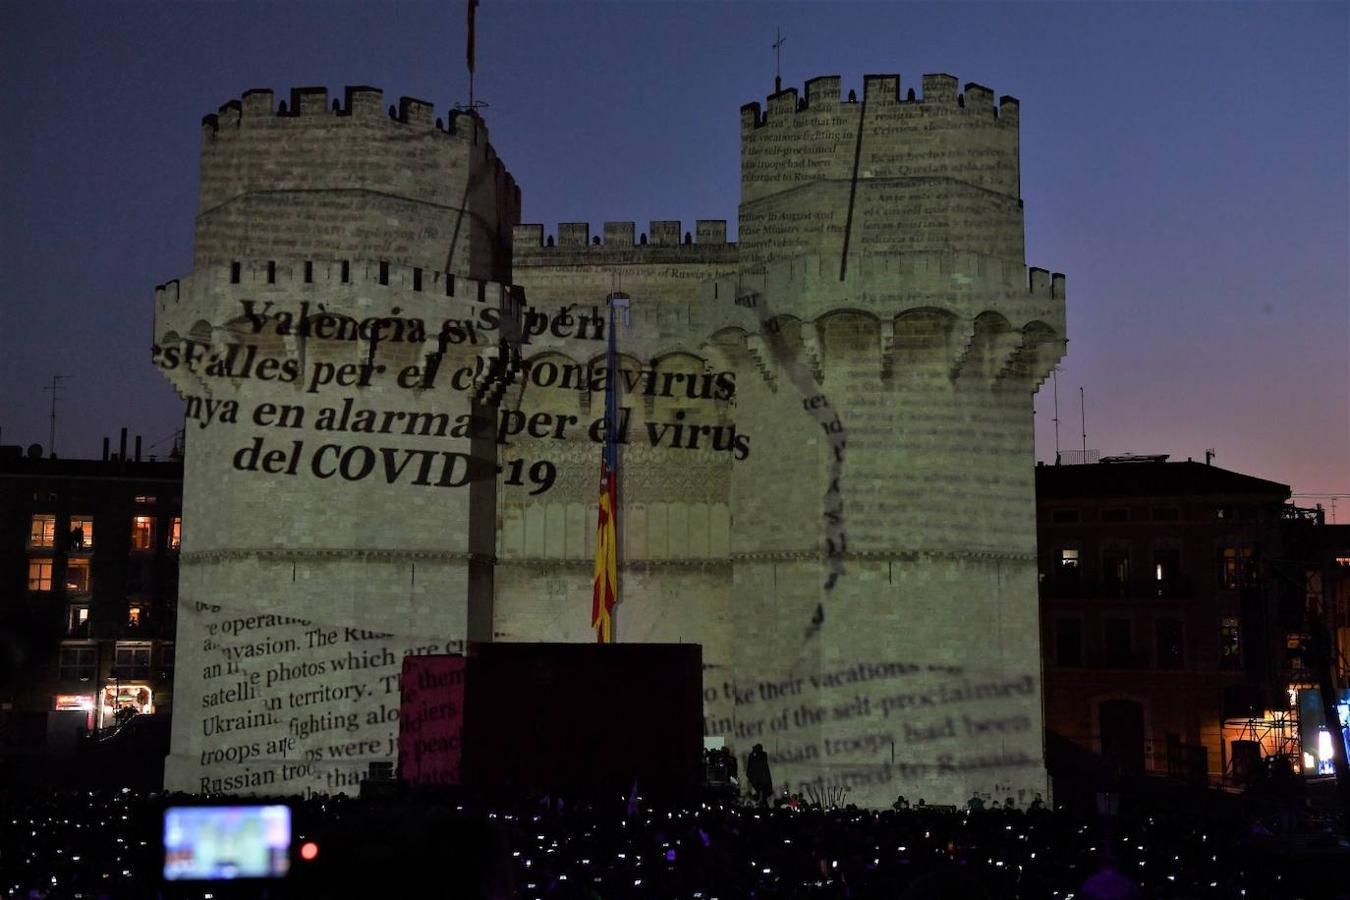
[[431, 720]]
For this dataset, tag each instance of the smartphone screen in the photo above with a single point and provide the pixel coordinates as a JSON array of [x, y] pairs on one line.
[[211, 843]]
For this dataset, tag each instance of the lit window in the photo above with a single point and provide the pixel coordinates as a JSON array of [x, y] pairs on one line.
[[1067, 576], [43, 533], [176, 533], [1343, 560], [142, 533], [1237, 568], [135, 615], [1230, 643], [39, 574], [1293, 649], [81, 534], [77, 576], [77, 619], [144, 500], [77, 663], [1166, 570]]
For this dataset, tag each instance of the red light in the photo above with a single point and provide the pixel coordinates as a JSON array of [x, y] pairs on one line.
[[309, 850]]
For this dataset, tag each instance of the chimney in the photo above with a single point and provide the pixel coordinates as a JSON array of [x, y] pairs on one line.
[[138, 448], [122, 452], [105, 449]]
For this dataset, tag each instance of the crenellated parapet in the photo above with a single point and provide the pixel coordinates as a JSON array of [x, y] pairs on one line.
[[359, 103], [326, 179], [332, 308], [995, 322], [663, 269], [963, 284], [885, 172], [213, 293], [823, 95], [665, 240]]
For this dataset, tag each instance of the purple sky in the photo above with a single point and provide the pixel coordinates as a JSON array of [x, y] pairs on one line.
[[1185, 165]]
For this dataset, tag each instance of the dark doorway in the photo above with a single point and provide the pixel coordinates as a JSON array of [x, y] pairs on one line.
[[1122, 730]]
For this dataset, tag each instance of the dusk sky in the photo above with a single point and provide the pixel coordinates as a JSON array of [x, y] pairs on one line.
[[1187, 166]]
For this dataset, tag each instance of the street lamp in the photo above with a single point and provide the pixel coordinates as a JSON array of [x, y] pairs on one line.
[[116, 676]]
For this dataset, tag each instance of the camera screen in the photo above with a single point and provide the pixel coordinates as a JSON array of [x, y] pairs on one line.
[[209, 843]]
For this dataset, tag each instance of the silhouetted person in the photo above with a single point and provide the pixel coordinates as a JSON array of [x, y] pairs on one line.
[[733, 768], [757, 772]]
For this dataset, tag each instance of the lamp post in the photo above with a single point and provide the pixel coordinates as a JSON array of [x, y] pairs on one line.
[[116, 676]]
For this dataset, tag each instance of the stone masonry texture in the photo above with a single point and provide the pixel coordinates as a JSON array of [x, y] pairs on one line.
[[827, 448]]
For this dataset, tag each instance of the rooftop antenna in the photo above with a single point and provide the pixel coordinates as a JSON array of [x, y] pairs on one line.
[[1209, 455], [1055, 374], [1082, 411], [777, 47], [55, 388]]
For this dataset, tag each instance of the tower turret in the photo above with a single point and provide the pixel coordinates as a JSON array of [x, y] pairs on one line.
[[334, 346], [306, 180], [896, 338]]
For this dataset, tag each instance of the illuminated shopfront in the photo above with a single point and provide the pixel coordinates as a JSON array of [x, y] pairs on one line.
[[77, 702], [123, 696]]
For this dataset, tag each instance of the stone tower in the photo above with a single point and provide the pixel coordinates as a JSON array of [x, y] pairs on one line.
[[896, 323], [318, 551], [862, 581], [827, 454]]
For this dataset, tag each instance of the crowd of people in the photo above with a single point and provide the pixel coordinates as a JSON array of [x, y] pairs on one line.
[[106, 845]]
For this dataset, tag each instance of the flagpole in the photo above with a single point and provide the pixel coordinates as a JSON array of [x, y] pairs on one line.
[[605, 583], [612, 411], [470, 49]]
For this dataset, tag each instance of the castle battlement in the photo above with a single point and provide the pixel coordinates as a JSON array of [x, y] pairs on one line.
[[880, 92], [320, 174], [961, 285], [359, 102], [264, 278], [665, 241], [1045, 283], [823, 139]]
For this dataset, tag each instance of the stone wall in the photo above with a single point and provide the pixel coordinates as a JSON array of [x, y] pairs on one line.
[[308, 181], [826, 453]]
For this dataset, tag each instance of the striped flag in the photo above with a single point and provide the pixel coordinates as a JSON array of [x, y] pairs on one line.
[[605, 590]]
